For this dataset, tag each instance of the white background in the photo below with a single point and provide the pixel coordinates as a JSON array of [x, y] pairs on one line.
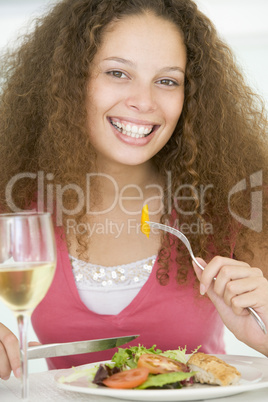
[[242, 23]]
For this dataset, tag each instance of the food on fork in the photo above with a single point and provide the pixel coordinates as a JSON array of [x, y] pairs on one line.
[[212, 370], [145, 227]]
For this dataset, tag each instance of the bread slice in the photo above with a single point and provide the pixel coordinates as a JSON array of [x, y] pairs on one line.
[[212, 370]]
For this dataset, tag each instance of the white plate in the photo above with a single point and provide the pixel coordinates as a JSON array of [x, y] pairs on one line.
[[251, 379]]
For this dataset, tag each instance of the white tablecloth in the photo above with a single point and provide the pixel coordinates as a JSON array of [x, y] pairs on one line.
[[44, 389]]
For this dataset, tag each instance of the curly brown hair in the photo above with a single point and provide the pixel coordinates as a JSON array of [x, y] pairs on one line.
[[220, 138]]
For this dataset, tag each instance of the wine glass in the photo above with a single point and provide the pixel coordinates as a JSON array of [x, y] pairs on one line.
[[27, 266]]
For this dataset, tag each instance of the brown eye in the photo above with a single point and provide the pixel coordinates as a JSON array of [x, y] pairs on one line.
[[167, 82], [116, 74]]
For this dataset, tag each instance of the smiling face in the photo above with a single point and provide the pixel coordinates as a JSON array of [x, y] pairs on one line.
[[136, 89]]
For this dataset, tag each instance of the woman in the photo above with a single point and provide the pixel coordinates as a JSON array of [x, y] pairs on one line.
[[112, 105]]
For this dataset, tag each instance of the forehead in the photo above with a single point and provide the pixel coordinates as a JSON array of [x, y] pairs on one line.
[[143, 35]]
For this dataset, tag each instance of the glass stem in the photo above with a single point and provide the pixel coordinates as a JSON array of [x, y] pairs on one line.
[[23, 324]]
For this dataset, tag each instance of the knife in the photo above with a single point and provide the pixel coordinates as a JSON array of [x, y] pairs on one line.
[[76, 348]]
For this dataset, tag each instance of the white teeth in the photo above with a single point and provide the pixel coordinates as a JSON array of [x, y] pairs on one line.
[[132, 131]]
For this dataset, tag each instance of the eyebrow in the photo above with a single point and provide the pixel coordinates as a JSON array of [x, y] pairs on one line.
[[131, 64]]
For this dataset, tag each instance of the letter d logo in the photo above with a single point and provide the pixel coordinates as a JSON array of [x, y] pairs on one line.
[[255, 221]]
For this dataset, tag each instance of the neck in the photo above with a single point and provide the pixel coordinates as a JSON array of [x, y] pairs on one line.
[[122, 176], [132, 184]]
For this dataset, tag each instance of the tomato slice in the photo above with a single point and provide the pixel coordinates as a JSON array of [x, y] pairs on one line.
[[158, 364], [127, 379]]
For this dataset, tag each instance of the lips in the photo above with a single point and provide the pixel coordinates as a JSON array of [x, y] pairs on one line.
[[132, 129]]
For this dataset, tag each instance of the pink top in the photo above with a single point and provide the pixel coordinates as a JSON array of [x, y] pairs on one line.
[[168, 316]]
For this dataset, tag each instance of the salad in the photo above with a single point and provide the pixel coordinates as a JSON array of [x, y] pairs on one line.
[[137, 367]]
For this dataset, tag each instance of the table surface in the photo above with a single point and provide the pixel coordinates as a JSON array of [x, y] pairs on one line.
[[44, 389]]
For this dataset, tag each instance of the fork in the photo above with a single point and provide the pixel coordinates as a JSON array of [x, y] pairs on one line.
[[184, 239]]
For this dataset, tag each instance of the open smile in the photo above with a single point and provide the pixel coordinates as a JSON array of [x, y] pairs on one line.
[[131, 129]]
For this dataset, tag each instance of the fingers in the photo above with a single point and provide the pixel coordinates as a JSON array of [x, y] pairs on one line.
[[224, 269], [251, 291], [238, 284], [234, 279], [9, 353], [199, 272], [34, 343]]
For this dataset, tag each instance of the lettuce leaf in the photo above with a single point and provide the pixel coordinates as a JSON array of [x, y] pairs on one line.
[[161, 380], [179, 354], [104, 371], [128, 357], [77, 373]]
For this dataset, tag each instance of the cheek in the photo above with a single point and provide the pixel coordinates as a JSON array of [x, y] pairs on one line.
[[174, 114], [100, 103], [103, 94], [173, 107], [96, 96]]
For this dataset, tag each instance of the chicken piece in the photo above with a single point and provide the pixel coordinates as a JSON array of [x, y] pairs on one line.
[[212, 370]]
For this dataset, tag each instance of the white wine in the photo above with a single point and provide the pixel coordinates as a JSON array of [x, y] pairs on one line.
[[25, 238], [23, 285]]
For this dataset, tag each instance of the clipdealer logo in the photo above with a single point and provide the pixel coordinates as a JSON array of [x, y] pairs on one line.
[[55, 192], [256, 202], [51, 195]]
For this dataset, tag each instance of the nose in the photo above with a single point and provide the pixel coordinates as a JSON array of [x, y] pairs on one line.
[[141, 98]]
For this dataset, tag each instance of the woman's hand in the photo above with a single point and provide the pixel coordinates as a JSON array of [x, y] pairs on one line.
[[9, 354], [236, 287]]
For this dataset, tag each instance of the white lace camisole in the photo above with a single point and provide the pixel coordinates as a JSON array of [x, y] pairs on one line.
[[108, 290]]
